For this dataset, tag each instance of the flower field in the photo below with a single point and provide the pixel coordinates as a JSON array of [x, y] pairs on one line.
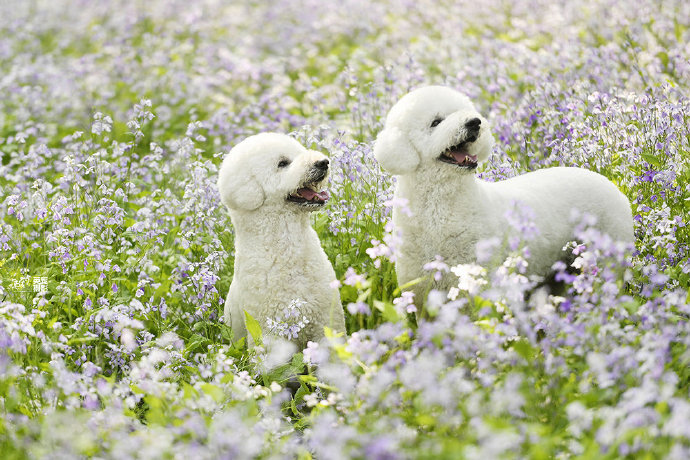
[[116, 254]]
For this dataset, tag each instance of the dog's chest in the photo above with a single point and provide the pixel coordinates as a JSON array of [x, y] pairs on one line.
[[432, 230]]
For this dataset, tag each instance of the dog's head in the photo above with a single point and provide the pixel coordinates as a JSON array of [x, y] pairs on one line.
[[269, 170], [433, 125]]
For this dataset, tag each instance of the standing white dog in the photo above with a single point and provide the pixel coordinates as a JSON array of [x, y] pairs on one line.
[[270, 183], [433, 140]]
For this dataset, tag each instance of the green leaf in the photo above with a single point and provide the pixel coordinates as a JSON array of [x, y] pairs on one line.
[[280, 374], [631, 306], [390, 314], [663, 57], [524, 349], [425, 420], [304, 455], [213, 391], [651, 159], [408, 285], [297, 362], [188, 390], [196, 341], [156, 410], [285, 372], [387, 311], [253, 327], [135, 389], [488, 325], [308, 379]]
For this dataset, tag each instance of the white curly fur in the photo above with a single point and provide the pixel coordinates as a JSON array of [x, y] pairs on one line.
[[452, 209], [278, 255]]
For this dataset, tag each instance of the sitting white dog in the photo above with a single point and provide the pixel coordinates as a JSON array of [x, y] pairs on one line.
[[433, 140], [270, 183]]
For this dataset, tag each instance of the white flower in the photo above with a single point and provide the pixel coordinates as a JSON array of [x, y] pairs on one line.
[[470, 279]]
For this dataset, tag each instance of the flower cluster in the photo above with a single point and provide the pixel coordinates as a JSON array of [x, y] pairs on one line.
[[289, 321]]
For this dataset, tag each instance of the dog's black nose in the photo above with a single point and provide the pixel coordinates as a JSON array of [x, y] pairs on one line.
[[473, 124], [322, 164]]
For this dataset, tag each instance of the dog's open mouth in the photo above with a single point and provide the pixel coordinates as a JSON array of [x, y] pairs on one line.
[[458, 155], [307, 196]]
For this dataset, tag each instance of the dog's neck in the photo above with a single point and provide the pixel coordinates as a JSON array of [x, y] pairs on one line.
[[447, 186], [284, 233]]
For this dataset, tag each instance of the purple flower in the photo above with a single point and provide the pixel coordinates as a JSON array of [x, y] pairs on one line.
[[360, 308]]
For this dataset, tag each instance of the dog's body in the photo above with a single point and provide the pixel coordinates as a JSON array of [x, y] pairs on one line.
[[453, 231], [269, 184], [433, 140]]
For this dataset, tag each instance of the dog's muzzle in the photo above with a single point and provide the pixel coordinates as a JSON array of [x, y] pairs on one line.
[[472, 126], [319, 170], [458, 154], [308, 195]]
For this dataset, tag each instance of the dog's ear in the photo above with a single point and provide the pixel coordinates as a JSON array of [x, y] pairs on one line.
[[394, 151], [241, 192]]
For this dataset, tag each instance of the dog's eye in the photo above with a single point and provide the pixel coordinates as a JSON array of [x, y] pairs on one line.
[[283, 162], [436, 122]]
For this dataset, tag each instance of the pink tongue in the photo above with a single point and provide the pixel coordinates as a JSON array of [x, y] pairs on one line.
[[460, 157], [309, 194]]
